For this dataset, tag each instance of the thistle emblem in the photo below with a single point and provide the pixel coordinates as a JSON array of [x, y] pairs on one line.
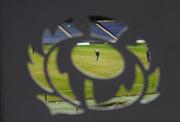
[[104, 91]]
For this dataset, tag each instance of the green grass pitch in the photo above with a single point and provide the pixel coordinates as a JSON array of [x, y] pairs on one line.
[[109, 65]]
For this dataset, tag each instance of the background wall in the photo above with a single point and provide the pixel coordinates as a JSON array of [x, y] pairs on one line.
[[22, 23]]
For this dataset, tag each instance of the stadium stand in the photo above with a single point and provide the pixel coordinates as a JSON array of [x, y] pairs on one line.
[[48, 38], [99, 33], [71, 29], [114, 29]]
